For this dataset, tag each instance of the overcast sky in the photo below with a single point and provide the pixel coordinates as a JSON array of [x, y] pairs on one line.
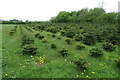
[[43, 10]]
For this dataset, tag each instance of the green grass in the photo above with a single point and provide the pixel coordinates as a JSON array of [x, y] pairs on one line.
[[55, 66]]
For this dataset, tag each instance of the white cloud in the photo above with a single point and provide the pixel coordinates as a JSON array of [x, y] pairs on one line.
[[45, 9]]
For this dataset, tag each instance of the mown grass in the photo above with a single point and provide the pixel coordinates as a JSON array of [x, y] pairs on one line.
[[55, 66]]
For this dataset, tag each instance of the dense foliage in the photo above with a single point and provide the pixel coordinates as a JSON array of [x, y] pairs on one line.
[[85, 15]]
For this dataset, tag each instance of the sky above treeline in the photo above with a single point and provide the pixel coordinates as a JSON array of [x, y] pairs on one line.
[[43, 10]]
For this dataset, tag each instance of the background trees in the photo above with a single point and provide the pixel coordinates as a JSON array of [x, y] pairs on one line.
[[97, 15]]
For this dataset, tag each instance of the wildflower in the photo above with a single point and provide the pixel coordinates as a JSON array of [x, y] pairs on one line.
[[40, 60], [84, 70], [77, 75], [93, 72], [65, 59], [6, 74], [87, 76], [82, 73], [32, 58], [23, 66]]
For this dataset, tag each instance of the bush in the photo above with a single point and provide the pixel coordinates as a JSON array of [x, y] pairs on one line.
[[63, 52], [44, 40], [89, 39], [108, 46], [78, 37], [70, 34], [59, 38], [81, 63], [118, 63], [117, 60], [52, 30], [95, 52], [26, 40], [53, 46], [63, 33], [68, 40], [29, 49], [12, 32], [99, 37], [37, 34], [80, 47], [53, 35]]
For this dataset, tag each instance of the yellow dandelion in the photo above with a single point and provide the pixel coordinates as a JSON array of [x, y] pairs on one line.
[[87, 76], [32, 58], [23, 66], [82, 73], [84, 70], [6, 74], [77, 75], [93, 72], [42, 61]]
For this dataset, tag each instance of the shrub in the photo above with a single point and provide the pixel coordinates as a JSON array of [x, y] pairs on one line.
[[118, 63], [29, 49], [52, 30], [37, 34], [99, 37], [95, 52], [26, 40], [89, 39], [44, 40], [12, 32], [108, 46], [63, 52], [53, 46], [114, 40], [53, 35], [80, 47], [41, 27], [63, 33], [81, 63], [59, 38], [70, 34], [78, 37], [68, 40]]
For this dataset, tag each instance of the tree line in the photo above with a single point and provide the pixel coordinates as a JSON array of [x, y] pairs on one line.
[[98, 15]]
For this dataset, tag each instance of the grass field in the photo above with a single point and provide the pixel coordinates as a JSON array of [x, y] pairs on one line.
[[52, 64]]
